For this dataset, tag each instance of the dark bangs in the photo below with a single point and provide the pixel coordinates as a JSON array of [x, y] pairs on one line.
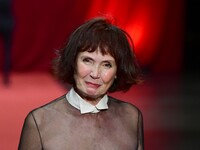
[[99, 35]]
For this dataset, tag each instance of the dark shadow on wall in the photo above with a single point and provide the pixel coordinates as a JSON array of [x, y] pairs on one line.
[[191, 77], [6, 32]]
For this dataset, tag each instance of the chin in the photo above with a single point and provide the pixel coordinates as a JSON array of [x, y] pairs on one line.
[[92, 96], [89, 96]]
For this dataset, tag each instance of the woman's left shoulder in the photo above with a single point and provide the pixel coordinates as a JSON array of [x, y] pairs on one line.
[[126, 106]]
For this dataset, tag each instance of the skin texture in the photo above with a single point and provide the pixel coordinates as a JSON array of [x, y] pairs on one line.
[[94, 75]]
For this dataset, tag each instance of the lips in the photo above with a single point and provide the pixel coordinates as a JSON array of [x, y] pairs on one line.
[[92, 85]]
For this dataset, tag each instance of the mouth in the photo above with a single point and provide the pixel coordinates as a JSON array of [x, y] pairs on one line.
[[92, 85]]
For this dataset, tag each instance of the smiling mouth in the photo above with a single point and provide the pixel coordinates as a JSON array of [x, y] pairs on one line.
[[92, 85]]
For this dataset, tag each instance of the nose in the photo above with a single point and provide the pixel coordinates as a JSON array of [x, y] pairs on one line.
[[95, 72]]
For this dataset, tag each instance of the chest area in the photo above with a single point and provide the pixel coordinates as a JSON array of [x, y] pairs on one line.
[[91, 132]]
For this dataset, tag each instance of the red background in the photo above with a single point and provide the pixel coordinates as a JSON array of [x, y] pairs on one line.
[[40, 27], [157, 28]]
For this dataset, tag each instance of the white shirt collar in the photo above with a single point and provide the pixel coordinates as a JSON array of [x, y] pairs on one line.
[[76, 101]]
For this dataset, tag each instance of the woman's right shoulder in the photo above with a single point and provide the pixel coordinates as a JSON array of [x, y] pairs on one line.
[[50, 106], [47, 111]]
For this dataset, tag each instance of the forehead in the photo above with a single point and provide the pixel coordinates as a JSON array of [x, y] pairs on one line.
[[96, 55]]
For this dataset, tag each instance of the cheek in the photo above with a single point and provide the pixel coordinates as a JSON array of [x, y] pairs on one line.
[[82, 70], [108, 76]]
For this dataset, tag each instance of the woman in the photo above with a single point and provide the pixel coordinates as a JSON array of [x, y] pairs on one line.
[[96, 60]]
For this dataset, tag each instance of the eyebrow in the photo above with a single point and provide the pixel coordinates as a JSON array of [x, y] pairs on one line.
[[106, 60]]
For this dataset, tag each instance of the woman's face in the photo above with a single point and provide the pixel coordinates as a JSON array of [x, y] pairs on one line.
[[95, 74]]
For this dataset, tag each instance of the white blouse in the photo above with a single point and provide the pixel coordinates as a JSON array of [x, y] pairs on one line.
[[76, 101]]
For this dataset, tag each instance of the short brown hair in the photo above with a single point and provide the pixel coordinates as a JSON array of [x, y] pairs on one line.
[[94, 33]]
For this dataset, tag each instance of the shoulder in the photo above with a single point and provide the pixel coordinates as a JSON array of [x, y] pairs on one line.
[[55, 106], [125, 107]]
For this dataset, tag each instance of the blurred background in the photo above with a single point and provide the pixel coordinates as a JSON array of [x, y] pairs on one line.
[[166, 37]]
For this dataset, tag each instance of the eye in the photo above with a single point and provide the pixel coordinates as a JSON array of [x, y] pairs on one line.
[[107, 65], [87, 60]]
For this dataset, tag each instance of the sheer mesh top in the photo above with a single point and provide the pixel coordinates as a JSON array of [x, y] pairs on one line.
[[59, 126]]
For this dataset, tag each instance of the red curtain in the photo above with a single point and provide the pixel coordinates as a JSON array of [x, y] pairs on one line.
[[41, 27]]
